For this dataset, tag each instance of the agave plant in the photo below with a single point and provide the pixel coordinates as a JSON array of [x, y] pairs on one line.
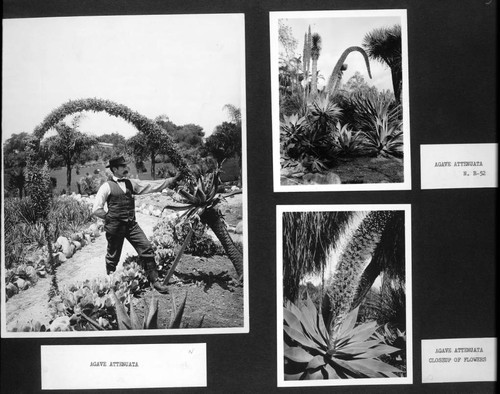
[[323, 114], [368, 106], [347, 142], [200, 199], [311, 351], [130, 320], [384, 139], [292, 135]]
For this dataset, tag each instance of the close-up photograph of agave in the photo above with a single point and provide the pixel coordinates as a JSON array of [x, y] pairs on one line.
[[344, 314]]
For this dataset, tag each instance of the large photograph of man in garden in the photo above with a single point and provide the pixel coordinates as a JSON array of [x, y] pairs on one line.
[[340, 100], [124, 175]]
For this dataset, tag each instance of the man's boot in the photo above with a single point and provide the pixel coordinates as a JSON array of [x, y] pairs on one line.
[[152, 276]]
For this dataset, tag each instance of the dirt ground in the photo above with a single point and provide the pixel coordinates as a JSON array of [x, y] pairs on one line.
[[363, 170], [206, 281]]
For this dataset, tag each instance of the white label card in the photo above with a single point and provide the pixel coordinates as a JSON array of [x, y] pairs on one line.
[[454, 166], [459, 360], [123, 366]]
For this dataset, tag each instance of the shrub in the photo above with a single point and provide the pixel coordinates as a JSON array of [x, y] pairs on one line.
[[170, 233], [25, 210], [24, 231], [39, 188], [90, 184], [67, 210]]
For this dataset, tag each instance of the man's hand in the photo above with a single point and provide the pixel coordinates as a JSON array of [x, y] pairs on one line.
[[100, 213]]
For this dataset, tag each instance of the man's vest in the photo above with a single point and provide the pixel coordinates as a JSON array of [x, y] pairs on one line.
[[121, 206]]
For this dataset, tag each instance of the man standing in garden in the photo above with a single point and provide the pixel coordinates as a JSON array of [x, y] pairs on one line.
[[119, 219]]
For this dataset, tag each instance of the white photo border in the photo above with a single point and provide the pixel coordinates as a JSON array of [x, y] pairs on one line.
[[408, 379], [273, 25]]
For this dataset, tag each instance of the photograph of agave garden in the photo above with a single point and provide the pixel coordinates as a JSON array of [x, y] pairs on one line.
[[121, 89], [344, 313], [340, 116]]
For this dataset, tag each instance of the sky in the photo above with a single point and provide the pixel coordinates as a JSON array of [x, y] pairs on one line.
[[337, 34], [184, 66]]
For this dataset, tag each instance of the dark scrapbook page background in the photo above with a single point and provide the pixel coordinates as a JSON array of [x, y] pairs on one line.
[[452, 89]]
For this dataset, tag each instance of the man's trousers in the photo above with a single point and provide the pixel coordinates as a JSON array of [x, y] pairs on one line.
[[134, 234]]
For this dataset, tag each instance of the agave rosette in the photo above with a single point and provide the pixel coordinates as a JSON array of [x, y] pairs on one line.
[[346, 141], [349, 351], [198, 196]]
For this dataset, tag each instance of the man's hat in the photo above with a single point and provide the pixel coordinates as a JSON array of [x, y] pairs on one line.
[[117, 161]]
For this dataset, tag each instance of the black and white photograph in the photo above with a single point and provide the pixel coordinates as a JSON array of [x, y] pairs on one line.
[[344, 295], [124, 176], [340, 100], [249, 196]]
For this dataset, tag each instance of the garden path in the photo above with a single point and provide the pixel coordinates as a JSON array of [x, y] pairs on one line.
[[87, 263]]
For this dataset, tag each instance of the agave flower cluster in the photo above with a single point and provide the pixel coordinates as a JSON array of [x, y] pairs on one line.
[[348, 351]]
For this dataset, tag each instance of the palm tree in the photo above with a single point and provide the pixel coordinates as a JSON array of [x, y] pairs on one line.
[[315, 52], [234, 113], [384, 45], [68, 144], [307, 237]]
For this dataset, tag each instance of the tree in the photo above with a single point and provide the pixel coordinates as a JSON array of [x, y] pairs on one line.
[[357, 83], [148, 146], [290, 77], [384, 45], [101, 153], [315, 52], [287, 41], [234, 113], [14, 157], [69, 144], [189, 136], [13, 150], [225, 142], [307, 238]]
